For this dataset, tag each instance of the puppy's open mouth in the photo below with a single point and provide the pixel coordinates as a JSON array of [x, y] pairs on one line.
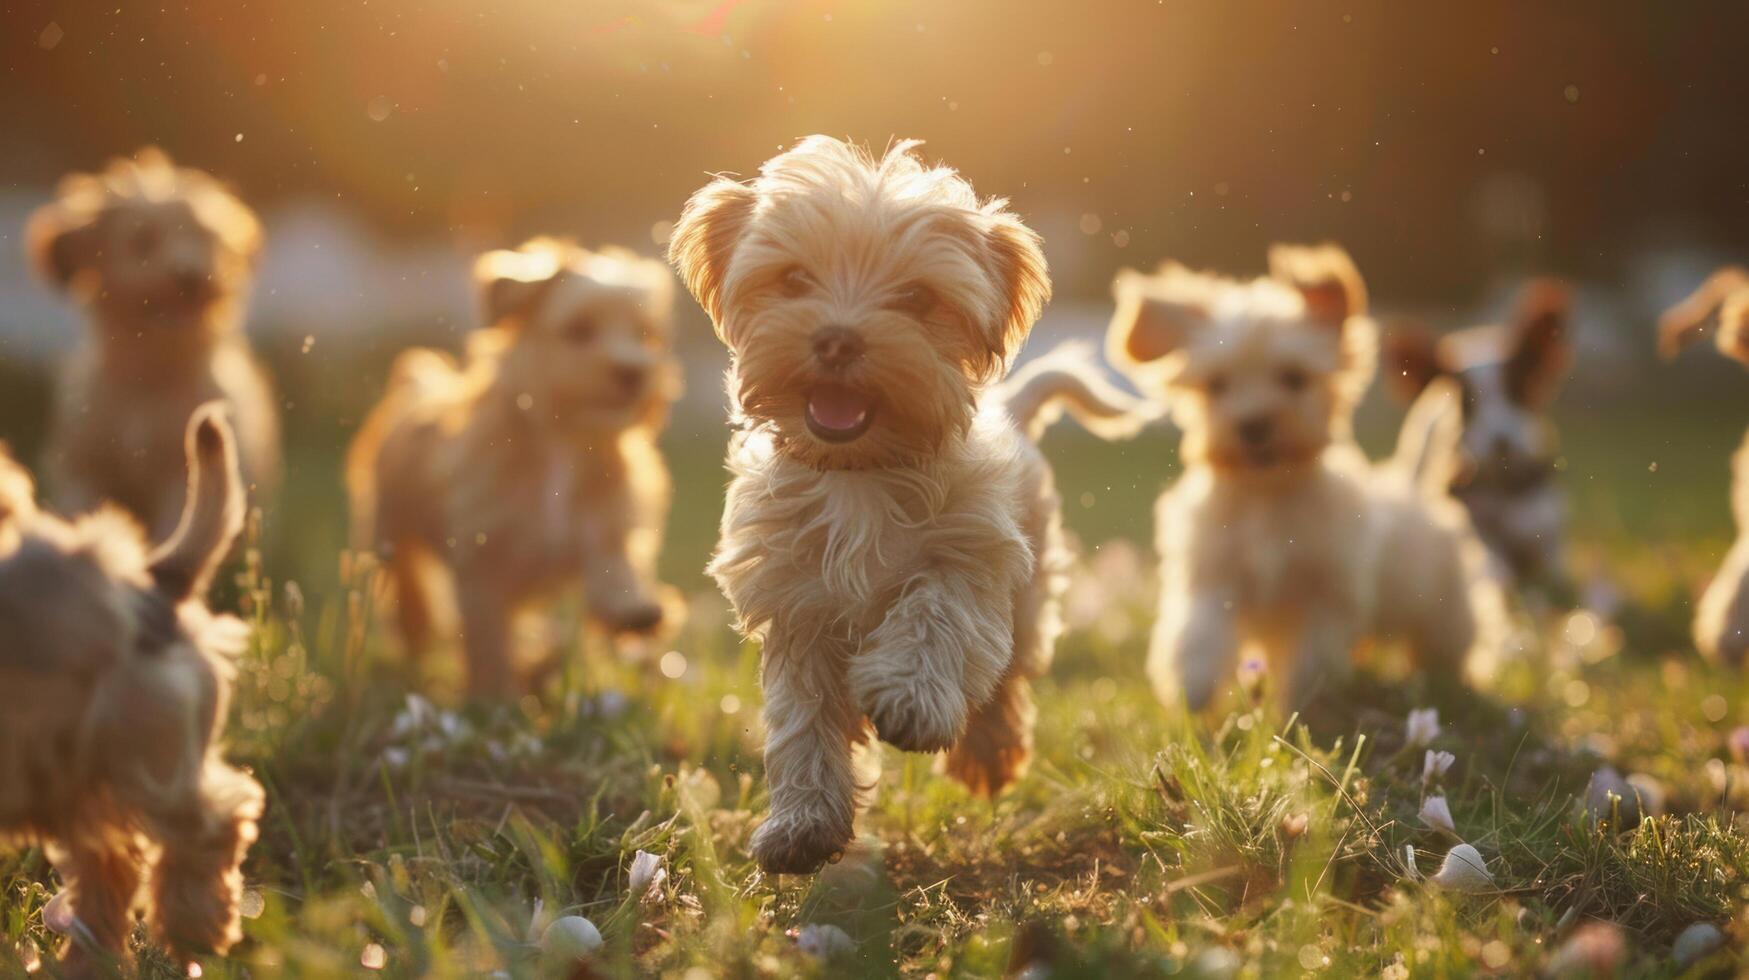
[[837, 413]]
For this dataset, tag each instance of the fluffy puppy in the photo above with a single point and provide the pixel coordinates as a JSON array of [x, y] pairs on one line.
[[1721, 621], [890, 535], [1503, 471], [535, 464], [1280, 537], [160, 257], [116, 679]]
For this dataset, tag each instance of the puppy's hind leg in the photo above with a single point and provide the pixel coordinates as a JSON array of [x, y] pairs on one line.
[[196, 881], [1195, 647], [414, 613], [811, 767], [997, 744], [103, 876]]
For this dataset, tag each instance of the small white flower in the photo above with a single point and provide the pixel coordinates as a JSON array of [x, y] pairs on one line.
[[1435, 767], [1464, 871], [570, 938], [1422, 727], [1608, 795], [646, 876], [823, 941], [1436, 813], [58, 915], [416, 715], [1696, 943]]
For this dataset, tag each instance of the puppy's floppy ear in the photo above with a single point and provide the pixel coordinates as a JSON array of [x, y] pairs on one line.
[[1148, 324], [1412, 358], [62, 241], [704, 240], [1325, 276], [512, 283], [1689, 320], [1017, 255], [1542, 347]]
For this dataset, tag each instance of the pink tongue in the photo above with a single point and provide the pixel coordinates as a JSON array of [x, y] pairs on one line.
[[840, 409]]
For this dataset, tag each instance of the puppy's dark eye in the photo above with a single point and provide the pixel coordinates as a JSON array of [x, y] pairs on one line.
[[796, 281], [1216, 385], [1293, 379], [580, 331], [915, 299]]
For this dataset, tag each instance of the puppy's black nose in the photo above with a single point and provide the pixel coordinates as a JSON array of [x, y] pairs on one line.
[[837, 347], [1256, 432], [628, 378]]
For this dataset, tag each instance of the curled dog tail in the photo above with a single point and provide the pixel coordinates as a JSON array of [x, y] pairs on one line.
[[1725, 292], [212, 513], [1427, 444], [1069, 378]]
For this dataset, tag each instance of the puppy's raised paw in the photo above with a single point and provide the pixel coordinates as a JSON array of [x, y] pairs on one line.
[[910, 710], [794, 846]]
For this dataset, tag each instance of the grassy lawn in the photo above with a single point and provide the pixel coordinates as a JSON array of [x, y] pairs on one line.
[[434, 839]]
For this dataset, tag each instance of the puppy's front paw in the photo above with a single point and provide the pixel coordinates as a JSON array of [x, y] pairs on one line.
[[909, 710], [794, 846]]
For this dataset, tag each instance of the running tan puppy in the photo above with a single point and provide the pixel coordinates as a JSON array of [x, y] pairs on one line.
[[535, 464], [1280, 536], [116, 678], [1721, 621], [161, 258], [891, 535]]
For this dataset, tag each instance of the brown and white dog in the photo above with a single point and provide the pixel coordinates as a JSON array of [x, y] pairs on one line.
[[891, 534], [534, 465], [1504, 468], [1721, 621], [1280, 537], [116, 678], [161, 259]]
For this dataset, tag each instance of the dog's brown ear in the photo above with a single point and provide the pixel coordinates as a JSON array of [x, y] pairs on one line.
[[1688, 321], [512, 282], [1412, 358], [1542, 346], [704, 240], [62, 241], [1325, 276], [212, 513], [1149, 324], [1017, 254]]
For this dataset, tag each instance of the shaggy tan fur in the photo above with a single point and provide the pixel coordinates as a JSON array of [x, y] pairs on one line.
[[116, 679], [1721, 621], [890, 535], [1280, 537], [535, 464], [161, 258]]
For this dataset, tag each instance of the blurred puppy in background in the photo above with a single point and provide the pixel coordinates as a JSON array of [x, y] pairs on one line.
[[535, 463], [891, 535], [161, 258], [116, 679], [1504, 468], [1280, 536], [1721, 621]]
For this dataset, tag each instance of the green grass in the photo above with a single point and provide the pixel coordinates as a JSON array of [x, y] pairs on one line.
[[1140, 844]]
